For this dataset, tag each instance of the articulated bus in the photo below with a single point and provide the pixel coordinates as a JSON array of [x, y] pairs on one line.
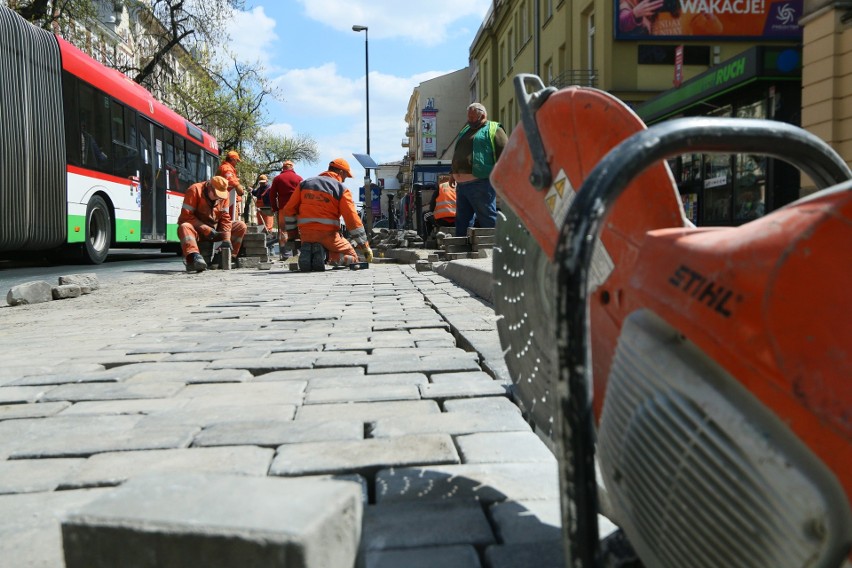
[[89, 160]]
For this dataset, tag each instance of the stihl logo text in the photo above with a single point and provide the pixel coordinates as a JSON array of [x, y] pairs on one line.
[[709, 293]]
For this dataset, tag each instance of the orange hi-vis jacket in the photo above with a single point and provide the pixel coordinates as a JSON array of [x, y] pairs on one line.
[[317, 205], [445, 205], [203, 215], [229, 172]]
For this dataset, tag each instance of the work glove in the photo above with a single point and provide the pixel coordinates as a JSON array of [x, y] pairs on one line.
[[213, 235], [226, 245], [368, 253], [283, 238]]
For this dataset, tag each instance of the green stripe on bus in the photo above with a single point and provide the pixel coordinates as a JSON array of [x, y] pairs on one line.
[[126, 231]]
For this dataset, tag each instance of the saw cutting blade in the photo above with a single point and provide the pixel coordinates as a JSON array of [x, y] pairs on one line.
[[524, 282]]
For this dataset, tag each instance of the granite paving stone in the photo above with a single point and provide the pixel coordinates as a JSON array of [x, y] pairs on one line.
[[527, 521], [495, 404], [111, 391], [204, 412], [549, 554], [425, 524], [359, 380], [503, 447], [274, 362], [364, 455], [30, 476], [37, 410], [20, 395], [15, 371], [268, 392], [366, 392], [310, 374], [113, 468], [462, 390], [488, 483], [429, 364], [256, 520], [454, 423], [137, 406], [274, 433], [102, 376], [367, 411]]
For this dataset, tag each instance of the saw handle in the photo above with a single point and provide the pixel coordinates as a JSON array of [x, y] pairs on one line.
[[580, 232]]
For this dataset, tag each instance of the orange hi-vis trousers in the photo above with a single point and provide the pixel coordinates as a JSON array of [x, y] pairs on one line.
[[340, 251], [189, 237]]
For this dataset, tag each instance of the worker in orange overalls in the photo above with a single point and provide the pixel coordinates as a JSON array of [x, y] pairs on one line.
[[315, 209], [228, 170], [204, 215], [442, 206]]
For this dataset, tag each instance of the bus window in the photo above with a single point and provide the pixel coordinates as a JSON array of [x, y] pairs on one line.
[[94, 128], [73, 147], [185, 177], [194, 163], [171, 168], [124, 144]]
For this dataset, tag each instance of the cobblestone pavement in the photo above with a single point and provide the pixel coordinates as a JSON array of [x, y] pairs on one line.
[[387, 377]]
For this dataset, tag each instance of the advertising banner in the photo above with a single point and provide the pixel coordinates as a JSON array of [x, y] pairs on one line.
[[429, 133], [702, 19]]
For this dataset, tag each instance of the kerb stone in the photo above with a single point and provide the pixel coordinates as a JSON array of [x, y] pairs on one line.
[[87, 281], [212, 520], [66, 291]]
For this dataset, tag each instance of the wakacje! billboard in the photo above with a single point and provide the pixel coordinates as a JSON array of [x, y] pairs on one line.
[[720, 19]]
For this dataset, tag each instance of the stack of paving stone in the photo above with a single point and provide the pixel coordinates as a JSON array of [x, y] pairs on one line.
[[476, 244], [385, 239], [254, 246]]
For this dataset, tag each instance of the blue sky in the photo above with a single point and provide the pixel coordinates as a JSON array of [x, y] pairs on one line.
[[317, 62]]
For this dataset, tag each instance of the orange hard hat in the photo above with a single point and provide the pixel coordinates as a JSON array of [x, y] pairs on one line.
[[232, 155], [263, 178], [287, 164], [220, 186], [341, 164]]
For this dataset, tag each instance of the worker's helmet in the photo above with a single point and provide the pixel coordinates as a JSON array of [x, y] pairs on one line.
[[233, 155], [220, 186]]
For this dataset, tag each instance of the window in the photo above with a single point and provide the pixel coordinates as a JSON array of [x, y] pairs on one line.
[[548, 72], [484, 78], [591, 46], [523, 33], [124, 144], [548, 9], [503, 66], [94, 111]]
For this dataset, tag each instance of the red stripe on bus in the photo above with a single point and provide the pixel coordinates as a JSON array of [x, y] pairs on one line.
[[97, 175]]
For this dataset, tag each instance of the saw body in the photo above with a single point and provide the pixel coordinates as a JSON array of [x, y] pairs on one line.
[[709, 368]]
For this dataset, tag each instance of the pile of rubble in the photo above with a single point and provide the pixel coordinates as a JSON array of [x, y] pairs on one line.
[[477, 244], [384, 239]]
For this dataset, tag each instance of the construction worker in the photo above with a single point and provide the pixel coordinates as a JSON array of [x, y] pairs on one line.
[[261, 194], [442, 206], [205, 215], [283, 186], [314, 211], [228, 170]]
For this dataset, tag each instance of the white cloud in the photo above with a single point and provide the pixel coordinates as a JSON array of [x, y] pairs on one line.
[[254, 31], [392, 18]]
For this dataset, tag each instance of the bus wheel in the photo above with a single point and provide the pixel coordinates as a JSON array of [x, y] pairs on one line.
[[98, 231]]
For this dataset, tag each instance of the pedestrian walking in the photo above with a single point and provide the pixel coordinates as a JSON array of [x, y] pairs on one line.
[[283, 186], [478, 147], [205, 215], [314, 212], [228, 170]]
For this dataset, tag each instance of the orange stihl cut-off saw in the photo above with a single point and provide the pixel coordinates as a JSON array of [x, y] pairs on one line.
[[707, 371]]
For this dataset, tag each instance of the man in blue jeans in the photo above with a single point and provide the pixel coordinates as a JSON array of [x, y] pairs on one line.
[[478, 147]]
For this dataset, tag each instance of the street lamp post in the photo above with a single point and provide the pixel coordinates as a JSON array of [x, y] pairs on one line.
[[368, 189]]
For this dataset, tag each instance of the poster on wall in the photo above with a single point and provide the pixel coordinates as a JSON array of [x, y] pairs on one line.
[[703, 19], [429, 132]]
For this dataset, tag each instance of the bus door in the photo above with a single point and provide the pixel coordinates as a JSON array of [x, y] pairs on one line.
[[152, 180]]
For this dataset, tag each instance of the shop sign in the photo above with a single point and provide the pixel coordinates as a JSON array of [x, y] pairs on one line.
[[715, 182]]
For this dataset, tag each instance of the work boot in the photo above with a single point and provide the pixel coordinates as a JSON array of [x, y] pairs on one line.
[[317, 257], [195, 263], [306, 257]]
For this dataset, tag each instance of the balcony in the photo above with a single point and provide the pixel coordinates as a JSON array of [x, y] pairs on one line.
[[405, 142], [409, 132], [580, 77]]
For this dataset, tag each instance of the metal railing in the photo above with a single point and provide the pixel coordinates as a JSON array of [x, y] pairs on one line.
[[581, 77]]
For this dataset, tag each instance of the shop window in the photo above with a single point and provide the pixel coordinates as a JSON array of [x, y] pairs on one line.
[[749, 187], [717, 189]]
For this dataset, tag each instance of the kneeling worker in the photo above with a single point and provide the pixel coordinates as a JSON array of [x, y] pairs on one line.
[[315, 209], [204, 215]]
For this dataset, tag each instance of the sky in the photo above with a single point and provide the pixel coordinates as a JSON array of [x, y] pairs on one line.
[[317, 64]]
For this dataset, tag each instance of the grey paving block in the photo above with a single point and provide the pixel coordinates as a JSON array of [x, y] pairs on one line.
[[310, 374], [17, 370], [467, 389], [207, 356], [527, 521], [111, 391], [152, 370], [283, 392], [527, 555], [487, 404], [20, 395], [275, 433], [30, 526], [368, 380], [429, 364], [113, 468], [454, 423], [206, 412], [216, 521], [367, 411], [30, 476], [340, 457], [459, 556], [410, 525], [138, 406], [342, 359], [489, 483], [503, 447], [364, 393], [37, 410], [80, 436], [463, 378], [274, 362]]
